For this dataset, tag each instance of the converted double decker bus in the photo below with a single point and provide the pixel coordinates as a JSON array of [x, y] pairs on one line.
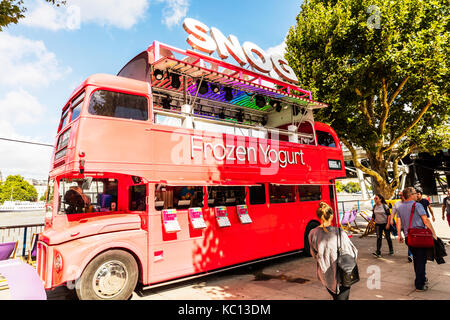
[[180, 166]]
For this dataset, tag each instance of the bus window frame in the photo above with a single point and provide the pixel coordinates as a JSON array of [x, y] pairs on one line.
[[128, 92], [74, 104], [147, 206]]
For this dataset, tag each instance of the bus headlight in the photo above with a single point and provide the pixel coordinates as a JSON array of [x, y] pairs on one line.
[[58, 265]]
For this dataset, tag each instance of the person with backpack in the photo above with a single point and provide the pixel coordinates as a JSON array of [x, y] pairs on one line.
[[324, 244], [383, 222]]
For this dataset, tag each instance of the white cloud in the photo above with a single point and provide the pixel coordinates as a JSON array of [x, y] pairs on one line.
[[117, 13], [279, 49], [30, 161], [26, 62], [174, 11], [20, 107]]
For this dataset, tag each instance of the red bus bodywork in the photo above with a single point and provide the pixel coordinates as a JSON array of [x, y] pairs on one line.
[[122, 149]]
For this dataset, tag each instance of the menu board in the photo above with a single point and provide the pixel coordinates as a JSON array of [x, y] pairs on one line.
[[243, 215], [222, 216], [196, 218], [170, 220]]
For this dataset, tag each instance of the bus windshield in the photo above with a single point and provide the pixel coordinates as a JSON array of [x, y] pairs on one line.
[[87, 195]]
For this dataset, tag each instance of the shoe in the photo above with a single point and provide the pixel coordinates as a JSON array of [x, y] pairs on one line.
[[410, 259], [376, 255], [426, 280], [391, 253], [425, 288]]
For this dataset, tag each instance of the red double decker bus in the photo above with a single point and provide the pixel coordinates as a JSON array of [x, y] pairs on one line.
[[179, 166]]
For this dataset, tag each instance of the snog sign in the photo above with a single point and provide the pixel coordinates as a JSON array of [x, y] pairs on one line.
[[208, 40]]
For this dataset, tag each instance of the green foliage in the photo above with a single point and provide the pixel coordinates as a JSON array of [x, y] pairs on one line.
[[339, 186], [18, 188], [13, 10], [352, 187], [384, 73], [349, 187]]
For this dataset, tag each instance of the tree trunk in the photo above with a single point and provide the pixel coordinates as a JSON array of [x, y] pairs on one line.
[[381, 183]]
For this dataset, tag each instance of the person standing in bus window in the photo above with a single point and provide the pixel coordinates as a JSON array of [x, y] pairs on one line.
[[323, 242], [426, 205], [382, 224]]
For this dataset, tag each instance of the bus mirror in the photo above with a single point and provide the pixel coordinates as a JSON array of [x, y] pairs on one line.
[[86, 183]]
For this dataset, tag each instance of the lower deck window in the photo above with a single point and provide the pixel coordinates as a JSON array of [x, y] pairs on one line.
[[175, 197], [87, 195], [257, 194], [137, 198], [226, 196], [281, 193], [309, 193]]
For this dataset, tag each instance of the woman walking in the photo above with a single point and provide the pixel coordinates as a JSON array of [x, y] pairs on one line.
[[383, 223], [323, 242]]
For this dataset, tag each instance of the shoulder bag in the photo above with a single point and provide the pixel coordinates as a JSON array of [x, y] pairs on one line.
[[347, 269], [417, 237]]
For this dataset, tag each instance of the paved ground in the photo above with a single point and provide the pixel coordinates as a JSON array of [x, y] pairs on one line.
[[294, 278]]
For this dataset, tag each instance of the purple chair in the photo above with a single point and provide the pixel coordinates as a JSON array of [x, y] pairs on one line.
[[33, 251], [353, 214], [23, 281], [345, 218], [6, 249]]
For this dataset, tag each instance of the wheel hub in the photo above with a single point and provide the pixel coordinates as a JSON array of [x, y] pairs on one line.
[[110, 279]]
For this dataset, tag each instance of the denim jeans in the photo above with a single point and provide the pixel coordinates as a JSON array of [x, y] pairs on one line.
[[380, 228], [420, 262]]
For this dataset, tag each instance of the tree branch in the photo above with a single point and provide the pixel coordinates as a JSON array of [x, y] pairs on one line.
[[363, 107], [395, 94], [404, 132], [385, 112], [358, 165]]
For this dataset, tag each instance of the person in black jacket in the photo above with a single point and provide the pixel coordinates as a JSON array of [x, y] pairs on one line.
[[383, 223]]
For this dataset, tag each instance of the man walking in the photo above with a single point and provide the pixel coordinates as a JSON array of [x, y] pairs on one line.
[[446, 207], [419, 220], [426, 205]]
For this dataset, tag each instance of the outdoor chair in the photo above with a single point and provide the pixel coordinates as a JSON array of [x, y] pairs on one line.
[[345, 218], [33, 249], [366, 215], [348, 219], [8, 249]]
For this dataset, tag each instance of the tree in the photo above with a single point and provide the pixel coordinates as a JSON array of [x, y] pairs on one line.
[[382, 67], [13, 10], [17, 188]]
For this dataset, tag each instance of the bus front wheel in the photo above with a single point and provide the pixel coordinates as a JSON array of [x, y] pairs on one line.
[[111, 275]]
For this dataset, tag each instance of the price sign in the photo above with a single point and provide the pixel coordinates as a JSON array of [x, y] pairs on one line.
[[222, 217], [196, 218], [243, 215], [170, 220]]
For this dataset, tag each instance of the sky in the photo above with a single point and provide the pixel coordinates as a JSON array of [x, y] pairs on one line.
[[53, 49]]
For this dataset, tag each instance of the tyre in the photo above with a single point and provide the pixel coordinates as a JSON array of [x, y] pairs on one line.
[[311, 225], [111, 275]]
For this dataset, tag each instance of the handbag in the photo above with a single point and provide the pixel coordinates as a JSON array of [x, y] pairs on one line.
[[418, 237], [346, 269]]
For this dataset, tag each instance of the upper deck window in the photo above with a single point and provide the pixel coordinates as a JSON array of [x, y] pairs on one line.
[[118, 105], [325, 139], [76, 106]]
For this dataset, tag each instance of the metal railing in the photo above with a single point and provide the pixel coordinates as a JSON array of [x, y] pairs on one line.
[[21, 233]]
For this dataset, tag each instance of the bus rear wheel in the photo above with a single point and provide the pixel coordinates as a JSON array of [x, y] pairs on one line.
[[111, 275], [311, 225]]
